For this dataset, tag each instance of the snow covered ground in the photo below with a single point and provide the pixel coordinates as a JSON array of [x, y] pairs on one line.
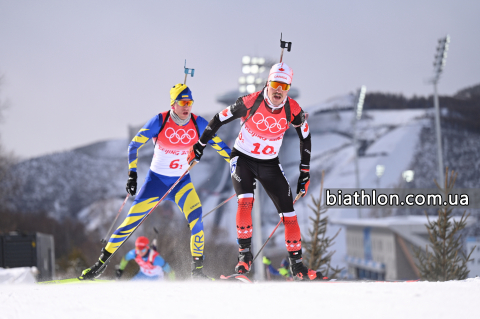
[[455, 299], [20, 275]]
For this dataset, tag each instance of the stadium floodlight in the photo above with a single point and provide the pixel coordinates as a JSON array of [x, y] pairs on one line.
[[438, 65], [254, 69], [440, 57], [379, 170], [361, 99], [408, 175], [358, 108]]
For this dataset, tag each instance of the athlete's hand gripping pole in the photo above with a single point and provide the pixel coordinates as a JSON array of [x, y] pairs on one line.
[[104, 240], [273, 232], [144, 218], [195, 152], [284, 45], [303, 181]]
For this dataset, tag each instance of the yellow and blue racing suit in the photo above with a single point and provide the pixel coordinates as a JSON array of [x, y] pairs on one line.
[[169, 162]]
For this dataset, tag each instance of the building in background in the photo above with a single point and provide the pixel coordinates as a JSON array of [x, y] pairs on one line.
[[474, 264], [28, 250], [383, 248]]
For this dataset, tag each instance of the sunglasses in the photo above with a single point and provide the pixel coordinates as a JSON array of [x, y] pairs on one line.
[[275, 85], [140, 250], [184, 102]]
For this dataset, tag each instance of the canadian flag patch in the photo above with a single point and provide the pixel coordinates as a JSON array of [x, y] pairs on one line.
[[305, 129], [225, 114]]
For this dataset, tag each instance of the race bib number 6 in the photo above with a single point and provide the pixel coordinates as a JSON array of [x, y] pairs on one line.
[[174, 164]]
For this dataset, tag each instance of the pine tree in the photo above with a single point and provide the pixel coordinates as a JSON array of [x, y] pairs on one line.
[[446, 260], [317, 256]]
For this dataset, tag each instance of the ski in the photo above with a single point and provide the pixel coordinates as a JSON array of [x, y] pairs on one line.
[[343, 281], [73, 281], [240, 277]]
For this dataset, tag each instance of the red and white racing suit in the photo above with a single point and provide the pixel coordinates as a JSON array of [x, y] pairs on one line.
[[255, 156]]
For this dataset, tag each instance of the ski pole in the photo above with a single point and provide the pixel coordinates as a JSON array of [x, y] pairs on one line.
[[154, 241], [151, 210], [104, 240], [296, 198], [284, 45], [219, 205]]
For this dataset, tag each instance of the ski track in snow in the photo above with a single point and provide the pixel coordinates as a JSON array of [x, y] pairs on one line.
[[454, 299]]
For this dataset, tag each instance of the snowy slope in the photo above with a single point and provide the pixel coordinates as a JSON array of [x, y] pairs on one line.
[[455, 299]]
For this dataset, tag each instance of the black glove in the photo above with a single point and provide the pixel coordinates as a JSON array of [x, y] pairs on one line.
[[118, 273], [195, 153], [132, 183], [303, 181]]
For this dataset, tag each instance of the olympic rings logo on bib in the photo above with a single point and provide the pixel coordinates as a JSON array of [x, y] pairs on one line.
[[269, 123], [180, 136]]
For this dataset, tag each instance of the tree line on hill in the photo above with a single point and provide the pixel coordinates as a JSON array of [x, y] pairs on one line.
[[461, 110]]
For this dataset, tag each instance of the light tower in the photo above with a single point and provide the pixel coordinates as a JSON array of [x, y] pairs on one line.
[[438, 65], [358, 109], [254, 77]]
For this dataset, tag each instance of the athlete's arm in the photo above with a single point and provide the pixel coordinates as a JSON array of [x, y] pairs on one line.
[[147, 132], [129, 256], [303, 132], [216, 142], [159, 261], [233, 112]]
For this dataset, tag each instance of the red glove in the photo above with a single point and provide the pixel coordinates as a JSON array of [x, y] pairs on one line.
[[195, 153]]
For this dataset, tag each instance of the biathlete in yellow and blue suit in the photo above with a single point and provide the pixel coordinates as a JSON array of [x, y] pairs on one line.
[[173, 133]]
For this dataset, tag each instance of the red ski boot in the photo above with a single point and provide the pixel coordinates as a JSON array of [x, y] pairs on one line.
[[299, 270], [245, 258]]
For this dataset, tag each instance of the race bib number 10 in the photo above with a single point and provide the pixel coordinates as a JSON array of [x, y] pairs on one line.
[[267, 150]]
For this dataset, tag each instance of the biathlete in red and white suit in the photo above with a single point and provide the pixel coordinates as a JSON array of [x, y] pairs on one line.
[[255, 156], [172, 133], [152, 265]]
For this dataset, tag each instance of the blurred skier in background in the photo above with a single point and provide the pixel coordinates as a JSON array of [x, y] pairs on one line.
[[152, 265], [283, 272]]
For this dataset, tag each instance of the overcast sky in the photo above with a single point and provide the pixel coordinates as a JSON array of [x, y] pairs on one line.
[[77, 72]]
